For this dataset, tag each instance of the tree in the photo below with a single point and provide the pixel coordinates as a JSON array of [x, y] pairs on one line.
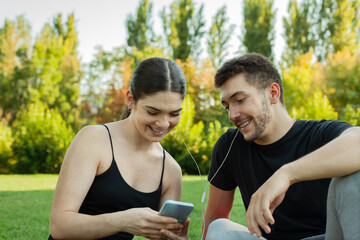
[[141, 37], [300, 80], [259, 27], [6, 153], [218, 37], [338, 26], [183, 29], [15, 45], [342, 74], [56, 69], [139, 27], [300, 36], [101, 76]]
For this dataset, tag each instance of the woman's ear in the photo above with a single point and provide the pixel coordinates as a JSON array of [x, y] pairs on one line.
[[129, 100], [274, 93]]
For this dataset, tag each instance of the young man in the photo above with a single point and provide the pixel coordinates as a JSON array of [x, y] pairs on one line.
[[282, 166]]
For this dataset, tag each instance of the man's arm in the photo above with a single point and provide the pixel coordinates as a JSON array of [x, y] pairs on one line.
[[219, 206], [339, 157]]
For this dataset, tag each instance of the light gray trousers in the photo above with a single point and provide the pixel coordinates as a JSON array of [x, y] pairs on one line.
[[343, 215]]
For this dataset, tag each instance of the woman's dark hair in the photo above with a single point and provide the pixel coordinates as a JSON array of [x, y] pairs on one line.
[[259, 71], [153, 75]]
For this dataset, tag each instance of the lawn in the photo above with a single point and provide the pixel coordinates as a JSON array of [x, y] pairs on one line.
[[25, 203]]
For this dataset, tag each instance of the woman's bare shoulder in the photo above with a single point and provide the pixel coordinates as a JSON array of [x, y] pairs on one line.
[[171, 163], [89, 141]]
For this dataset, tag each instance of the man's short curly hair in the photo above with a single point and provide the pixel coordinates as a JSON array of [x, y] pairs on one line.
[[259, 71]]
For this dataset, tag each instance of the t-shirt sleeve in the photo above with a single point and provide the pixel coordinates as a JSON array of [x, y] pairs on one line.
[[331, 129], [223, 178]]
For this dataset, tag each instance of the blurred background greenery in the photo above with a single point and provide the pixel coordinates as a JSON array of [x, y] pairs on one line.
[[47, 94]]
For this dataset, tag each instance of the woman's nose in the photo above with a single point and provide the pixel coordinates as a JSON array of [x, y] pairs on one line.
[[163, 122]]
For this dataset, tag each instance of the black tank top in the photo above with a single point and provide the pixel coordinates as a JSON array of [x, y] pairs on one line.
[[110, 193]]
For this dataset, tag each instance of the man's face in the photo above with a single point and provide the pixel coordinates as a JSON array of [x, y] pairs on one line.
[[248, 107]]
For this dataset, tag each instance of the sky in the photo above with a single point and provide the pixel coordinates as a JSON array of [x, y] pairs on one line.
[[103, 23]]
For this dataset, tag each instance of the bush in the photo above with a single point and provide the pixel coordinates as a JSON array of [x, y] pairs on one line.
[[40, 141], [199, 139], [6, 141], [351, 115], [316, 107]]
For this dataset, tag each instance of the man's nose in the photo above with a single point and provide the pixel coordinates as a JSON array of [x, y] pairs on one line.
[[234, 113]]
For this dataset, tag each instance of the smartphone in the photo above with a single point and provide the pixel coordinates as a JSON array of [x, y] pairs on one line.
[[176, 209]]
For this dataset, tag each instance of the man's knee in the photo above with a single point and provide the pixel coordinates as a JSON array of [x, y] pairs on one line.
[[343, 208], [216, 228], [346, 185], [225, 229]]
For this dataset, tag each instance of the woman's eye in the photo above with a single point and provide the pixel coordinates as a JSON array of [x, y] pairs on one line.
[[241, 100], [174, 114], [151, 113]]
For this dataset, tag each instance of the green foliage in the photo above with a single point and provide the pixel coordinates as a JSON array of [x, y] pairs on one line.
[[259, 27], [314, 91], [56, 70], [299, 29], [316, 107], [342, 74], [338, 26], [198, 140], [324, 26], [345, 25], [183, 28], [139, 27], [218, 38], [6, 140], [351, 115], [299, 80], [40, 141], [15, 41], [320, 71]]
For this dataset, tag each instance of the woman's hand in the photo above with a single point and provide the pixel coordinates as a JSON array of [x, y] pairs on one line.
[[180, 235], [148, 223]]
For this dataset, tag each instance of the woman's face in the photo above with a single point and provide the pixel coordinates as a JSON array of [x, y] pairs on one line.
[[157, 114]]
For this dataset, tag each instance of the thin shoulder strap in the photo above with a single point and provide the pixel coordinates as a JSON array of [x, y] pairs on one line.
[[112, 150], [162, 173]]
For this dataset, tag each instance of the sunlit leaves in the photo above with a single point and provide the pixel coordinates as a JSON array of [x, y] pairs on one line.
[[183, 28], [259, 18], [218, 37]]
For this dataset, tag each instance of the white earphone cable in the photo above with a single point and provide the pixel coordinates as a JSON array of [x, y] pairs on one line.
[[204, 184]]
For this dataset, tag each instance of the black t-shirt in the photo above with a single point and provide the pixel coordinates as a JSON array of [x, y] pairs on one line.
[[249, 165]]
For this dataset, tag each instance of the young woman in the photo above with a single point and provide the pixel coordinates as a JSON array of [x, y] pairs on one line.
[[116, 176]]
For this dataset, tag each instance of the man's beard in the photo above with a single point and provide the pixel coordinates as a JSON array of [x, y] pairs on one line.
[[260, 123]]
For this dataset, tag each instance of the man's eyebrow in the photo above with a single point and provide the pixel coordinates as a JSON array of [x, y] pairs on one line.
[[233, 95], [159, 110], [236, 93]]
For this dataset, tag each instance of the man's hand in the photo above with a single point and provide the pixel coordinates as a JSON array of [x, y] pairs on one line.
[[264, 201]]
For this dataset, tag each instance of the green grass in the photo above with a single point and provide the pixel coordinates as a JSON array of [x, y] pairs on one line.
[[25, 204]]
